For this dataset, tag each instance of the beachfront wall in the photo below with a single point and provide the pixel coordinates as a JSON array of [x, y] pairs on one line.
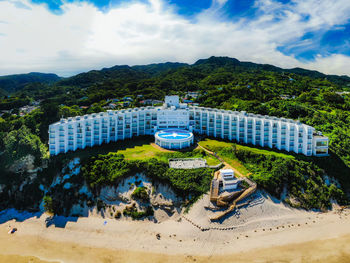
[[94, 129]]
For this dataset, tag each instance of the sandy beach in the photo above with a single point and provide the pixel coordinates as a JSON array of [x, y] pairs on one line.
[[275, 234]]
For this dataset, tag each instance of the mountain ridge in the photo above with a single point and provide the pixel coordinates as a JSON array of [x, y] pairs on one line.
[[13, 83], [16, 82], [211, 62]]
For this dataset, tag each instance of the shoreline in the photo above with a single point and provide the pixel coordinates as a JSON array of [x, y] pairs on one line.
[[324, 250], [93, 240]]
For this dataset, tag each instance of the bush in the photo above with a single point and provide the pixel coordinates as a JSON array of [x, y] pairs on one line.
[[48, 204], [141, 194], [118, 214], [100, 205], [106, 169], [303, 180], [21, 142], [111, 168], [132, 211]]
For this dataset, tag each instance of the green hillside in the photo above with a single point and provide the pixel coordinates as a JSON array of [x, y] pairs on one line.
[[13, 83], [320, 100]]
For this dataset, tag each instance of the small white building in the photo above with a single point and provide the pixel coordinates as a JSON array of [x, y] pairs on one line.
[[228, 179], [172, 101]]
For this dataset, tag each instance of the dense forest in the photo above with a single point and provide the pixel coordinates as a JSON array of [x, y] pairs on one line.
[[12, 83], [319, 100]]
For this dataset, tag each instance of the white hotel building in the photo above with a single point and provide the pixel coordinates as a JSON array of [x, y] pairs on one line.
[[94, 129]]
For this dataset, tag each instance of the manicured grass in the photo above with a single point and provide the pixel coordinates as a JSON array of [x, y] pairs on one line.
[[264, 152], [105, 148], [137, 149], [141, 149], [211, 160], [234, 162], [220, 146], [215, 146], [147, 151], [143, 152]]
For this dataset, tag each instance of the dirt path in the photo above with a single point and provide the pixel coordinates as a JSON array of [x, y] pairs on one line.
[[226, 165]]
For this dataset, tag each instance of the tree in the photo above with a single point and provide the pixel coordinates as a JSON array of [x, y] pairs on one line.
[[332, 98], [65, 111], [48, 204], [21, 142]]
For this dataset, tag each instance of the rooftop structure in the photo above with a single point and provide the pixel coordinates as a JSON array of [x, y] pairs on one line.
[[227, 173], [262, 130], [174, 138], [228, 179], [172, 101]]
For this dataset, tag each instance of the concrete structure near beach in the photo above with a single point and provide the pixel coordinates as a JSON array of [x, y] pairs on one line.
[[187, 163], [228, 179]]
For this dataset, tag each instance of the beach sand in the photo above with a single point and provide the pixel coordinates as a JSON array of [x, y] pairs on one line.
[[268, 232], [335, 250]]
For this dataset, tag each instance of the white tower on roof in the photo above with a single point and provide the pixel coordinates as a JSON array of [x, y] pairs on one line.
[[172, 101]]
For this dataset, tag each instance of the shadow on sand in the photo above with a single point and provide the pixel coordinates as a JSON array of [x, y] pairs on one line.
[[59, 221], [20, 216]]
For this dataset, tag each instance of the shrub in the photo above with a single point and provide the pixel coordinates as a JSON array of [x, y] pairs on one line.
[[48, 204], [111, 168], [21, 142], [132, 211], [141, 194], [100, 204], [118, 214], [302, 179]]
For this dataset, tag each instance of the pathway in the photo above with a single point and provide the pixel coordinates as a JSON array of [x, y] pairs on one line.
[[226, 165]]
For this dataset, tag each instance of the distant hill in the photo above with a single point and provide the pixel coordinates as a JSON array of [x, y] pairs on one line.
[[13, 83], [232, 62], [127, 73], [198, 69]]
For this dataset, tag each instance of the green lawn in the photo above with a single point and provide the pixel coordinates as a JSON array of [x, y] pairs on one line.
[[211, 160], [143, 152], [220, 146], [141, 149], [148, 151], [234, 162], [265, 152], [215, 146], [105, 148], [137, 149]]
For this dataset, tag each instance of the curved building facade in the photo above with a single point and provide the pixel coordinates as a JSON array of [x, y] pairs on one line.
[[174, 138], [266, 131]]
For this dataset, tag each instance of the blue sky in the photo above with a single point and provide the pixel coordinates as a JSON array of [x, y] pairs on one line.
[[70, 36]]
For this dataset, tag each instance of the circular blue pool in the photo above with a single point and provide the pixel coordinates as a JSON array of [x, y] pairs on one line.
[[174, 138]]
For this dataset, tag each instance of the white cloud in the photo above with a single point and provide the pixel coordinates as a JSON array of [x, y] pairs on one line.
[[333, 64], [84, 38]]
